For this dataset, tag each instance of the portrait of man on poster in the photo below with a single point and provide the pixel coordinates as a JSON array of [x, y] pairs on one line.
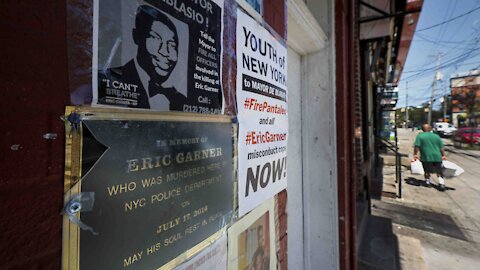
[[157, 55], [260, 259]]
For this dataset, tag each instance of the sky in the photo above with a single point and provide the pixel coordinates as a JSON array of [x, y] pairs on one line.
[[454, 46]]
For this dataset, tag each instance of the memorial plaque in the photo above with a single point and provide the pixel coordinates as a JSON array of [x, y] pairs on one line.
[[162, 188]]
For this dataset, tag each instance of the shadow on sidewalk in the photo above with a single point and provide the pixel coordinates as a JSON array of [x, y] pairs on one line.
[[377, 184], [419, 219], [421, 183], [377, 181], [379, 249]]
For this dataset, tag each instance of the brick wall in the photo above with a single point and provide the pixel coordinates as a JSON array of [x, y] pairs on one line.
[[34, 84], [274, 13], [35, 91]]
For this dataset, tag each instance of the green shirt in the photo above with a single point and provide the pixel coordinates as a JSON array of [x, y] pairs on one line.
[[430, 145]]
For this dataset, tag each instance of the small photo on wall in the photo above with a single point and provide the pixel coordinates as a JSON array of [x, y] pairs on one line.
[[252, 240], [253, 245]]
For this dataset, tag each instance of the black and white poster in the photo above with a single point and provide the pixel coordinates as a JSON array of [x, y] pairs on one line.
[[163, 55]]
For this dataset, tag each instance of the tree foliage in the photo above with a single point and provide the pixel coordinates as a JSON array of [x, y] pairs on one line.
[[467, 100]]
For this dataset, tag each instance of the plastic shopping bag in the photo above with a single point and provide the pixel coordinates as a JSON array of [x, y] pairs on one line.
[[451, 169], [417, 167]]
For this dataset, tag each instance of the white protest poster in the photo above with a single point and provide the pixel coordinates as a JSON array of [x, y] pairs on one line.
[[262, 113], [214, 257]]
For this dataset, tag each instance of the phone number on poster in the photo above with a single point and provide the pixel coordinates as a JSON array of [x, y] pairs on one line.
[[200, 109]]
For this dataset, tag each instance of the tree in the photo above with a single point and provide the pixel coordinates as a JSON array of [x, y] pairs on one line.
[[469, 102], [417, 115]]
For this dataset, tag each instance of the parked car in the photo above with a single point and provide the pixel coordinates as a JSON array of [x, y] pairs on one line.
[[444, 129], [464, 135]]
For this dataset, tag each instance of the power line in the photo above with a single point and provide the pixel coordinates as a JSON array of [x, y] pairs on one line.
[[464, 49], [453, 63], [450, 45], [418, 70], [444, 27], [439, 35], [471, 42], [449, 20], [456, 59], [422, 100]]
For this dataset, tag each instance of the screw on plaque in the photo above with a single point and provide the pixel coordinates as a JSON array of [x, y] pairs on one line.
[[81, 202], [74, 119], [73, 208]]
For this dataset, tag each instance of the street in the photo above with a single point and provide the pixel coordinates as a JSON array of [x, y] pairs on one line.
[[434, 229]]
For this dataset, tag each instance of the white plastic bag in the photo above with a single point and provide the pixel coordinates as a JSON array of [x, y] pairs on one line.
[[451, 169], [417, 167]]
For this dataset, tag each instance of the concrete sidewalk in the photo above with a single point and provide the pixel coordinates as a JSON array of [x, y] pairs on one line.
[[470, 153], [432, 229]]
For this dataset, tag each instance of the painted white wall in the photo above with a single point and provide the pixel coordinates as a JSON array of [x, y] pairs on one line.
[[319, 163], [295, 164], [312, 185]]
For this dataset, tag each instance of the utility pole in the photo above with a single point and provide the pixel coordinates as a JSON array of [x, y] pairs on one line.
[[431, 103], [406, 116], [445, 102], [436, 78]]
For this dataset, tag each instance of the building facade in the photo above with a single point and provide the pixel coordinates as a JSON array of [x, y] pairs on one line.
[[53, 57], [465, 96]]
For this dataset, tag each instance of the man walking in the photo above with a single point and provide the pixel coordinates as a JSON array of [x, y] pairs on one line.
[[432, 153]]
